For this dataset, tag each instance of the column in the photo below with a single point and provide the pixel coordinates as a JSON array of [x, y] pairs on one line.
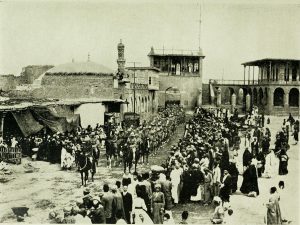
[[244, 74], [253, 75], [286, 99], [270, 72], [248, 75], [270, 100], [248, 102], [233, 102]]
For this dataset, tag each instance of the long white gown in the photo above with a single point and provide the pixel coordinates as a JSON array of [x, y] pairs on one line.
[[139, 210]]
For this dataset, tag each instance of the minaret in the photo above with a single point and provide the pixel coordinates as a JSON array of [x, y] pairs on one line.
[[121, 59]]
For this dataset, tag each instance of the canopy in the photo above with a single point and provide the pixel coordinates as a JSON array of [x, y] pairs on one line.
[[57, 118], [28, 125]]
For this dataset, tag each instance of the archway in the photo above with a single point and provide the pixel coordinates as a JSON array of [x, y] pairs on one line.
[[255, 97], [294, 97], [228, 93], [278, 97]]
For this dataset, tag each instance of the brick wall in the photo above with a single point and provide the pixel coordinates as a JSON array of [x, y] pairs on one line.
[[74, 86]]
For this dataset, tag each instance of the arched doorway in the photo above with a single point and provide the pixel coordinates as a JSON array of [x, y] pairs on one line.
[[255, 97], [228, 93], [278, 97], [294, 97], [172, 96]]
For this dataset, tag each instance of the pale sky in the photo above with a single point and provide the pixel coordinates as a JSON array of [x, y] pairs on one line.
[[233, 32]]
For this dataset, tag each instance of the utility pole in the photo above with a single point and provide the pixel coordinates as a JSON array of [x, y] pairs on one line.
[[134, 87]]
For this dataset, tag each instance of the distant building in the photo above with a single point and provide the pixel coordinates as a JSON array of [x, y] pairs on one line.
[[180, 70], [275, 92], [277, 88], [138, 86]]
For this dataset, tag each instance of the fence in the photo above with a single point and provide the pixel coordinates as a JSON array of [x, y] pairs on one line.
[[11, 155]]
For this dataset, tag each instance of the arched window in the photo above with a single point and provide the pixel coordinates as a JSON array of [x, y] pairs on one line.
[[278, 97], [294, 97]]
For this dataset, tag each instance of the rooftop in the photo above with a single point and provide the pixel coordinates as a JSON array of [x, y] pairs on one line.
[[143, 68], [263, 61], [80, 68], [176, 52]]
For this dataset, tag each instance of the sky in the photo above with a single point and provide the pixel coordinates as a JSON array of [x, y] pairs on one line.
[[232, 32]]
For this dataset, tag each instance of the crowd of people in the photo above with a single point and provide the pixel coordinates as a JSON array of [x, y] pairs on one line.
[[115, 141], [202, 167]]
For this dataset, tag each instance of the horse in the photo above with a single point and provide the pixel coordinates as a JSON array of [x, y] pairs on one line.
[[130, 156], [111, 151], [85, 165]]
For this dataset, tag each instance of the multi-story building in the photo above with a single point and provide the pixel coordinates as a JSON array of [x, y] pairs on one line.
[[276, 90], [180, 70]]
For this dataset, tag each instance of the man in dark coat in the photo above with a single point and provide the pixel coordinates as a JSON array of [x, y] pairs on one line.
[[254, 147], [250, 183], [247, 157], [127, 201], [234, 172], [224, 163], [225, 190]]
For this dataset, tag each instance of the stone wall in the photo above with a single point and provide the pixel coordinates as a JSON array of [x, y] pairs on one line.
[[74, 86], [8, 82], [30, 73], [205, 94]]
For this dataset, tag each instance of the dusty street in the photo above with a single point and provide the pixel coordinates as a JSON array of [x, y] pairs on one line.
[[50, 188]]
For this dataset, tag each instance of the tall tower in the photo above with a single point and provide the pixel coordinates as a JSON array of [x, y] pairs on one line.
[[121, 59]]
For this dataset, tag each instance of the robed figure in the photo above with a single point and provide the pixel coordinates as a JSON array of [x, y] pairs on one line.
[[250, 183]]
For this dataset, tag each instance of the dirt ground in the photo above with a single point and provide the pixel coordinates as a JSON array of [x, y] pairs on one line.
[[51, 188]]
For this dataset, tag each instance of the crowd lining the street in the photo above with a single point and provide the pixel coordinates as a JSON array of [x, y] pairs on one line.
[[202, 167]]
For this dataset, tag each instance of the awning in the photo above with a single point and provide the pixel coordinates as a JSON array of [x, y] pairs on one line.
[[57, 119], [28, 125]]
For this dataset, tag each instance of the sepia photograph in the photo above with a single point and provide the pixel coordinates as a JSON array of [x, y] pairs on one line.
[[149, 112]]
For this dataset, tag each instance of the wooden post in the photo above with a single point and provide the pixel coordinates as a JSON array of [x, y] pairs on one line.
[[253, 75], [249, 75]]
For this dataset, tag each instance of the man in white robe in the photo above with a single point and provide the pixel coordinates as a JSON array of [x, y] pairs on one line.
[[175, 179]]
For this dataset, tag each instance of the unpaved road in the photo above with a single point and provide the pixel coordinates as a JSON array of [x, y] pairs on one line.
[[50, 188]]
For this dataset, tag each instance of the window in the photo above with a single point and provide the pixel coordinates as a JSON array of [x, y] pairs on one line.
[[149, 80]]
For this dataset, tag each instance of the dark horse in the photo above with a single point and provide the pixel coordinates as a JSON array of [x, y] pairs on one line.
[[130, 156], [85, 165]]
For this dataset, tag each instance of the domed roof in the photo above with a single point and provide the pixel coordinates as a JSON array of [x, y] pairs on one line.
[[80, 68]]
